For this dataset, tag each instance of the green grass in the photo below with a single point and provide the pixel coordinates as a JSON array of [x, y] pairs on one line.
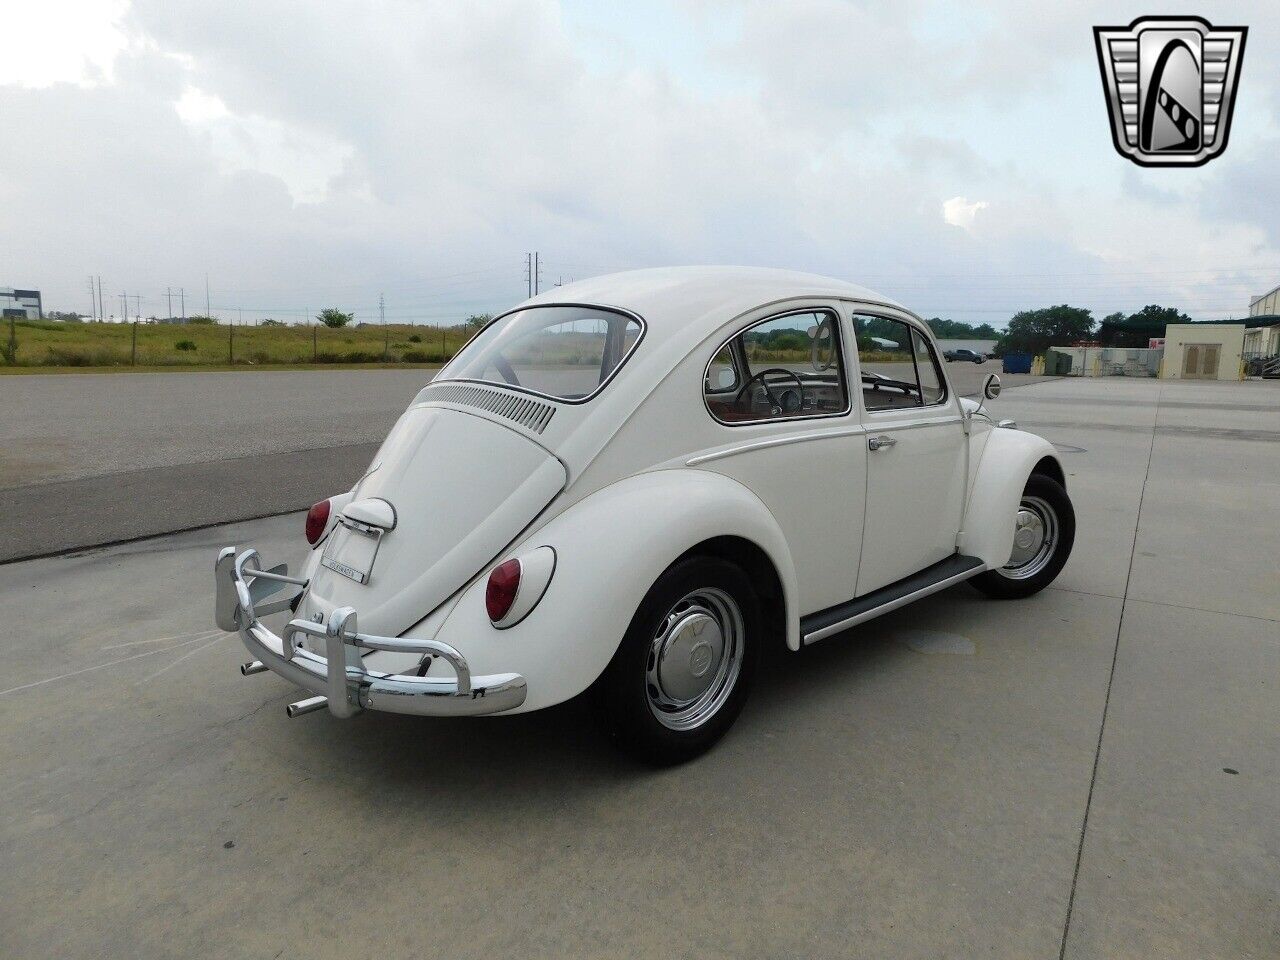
[[45, 345]]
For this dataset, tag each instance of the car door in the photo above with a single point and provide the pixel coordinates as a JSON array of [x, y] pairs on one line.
[[790, 432], [917, 451]]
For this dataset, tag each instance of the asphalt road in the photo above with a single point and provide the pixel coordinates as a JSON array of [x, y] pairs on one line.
[[1092, 772], [89, 459]]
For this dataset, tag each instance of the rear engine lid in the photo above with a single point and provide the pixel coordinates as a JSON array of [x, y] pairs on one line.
[[456, 489]]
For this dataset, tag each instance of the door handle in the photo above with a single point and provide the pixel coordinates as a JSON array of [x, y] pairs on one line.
[[880, 442]]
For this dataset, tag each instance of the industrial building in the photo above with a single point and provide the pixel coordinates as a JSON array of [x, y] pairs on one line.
[[20, 303], [1203, 351], [984, 347], [1266, 305]]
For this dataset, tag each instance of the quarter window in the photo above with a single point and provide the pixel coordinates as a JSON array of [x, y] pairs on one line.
[[899, 367], [786, 367]]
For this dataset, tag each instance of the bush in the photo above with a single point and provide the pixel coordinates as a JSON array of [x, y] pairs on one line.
[[422, 356], [201, 321], [351, 356], [58, 357], [414, 338], [332, 317], [185, 345]]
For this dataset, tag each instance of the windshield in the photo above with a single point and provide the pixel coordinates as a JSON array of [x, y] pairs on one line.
[[563, 352]]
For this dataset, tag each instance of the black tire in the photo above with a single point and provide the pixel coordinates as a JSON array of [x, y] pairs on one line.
[[625, 695], [1010, 584]]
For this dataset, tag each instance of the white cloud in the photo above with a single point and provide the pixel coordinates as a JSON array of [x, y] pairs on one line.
[[61, 41], [959, 212], [335, 150]]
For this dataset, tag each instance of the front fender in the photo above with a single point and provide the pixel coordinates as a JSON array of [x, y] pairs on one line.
[[610, 548], [1007, 459]]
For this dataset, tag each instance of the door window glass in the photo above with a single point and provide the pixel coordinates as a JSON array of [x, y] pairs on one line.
[[785, 367], [932, 386], [899, 367]]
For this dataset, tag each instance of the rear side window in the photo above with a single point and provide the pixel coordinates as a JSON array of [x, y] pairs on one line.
[[899, 367], [784, 368]]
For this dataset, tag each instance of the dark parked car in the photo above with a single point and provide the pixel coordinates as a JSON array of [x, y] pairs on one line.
[[962, 354]]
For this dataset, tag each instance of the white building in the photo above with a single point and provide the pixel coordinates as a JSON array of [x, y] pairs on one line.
[[20, 303], [1266, 305], [986, 347]]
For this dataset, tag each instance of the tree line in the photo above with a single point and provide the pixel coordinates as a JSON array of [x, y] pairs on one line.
[[1034, 331]]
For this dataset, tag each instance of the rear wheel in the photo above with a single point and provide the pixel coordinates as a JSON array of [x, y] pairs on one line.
[[685, 665], [1044, 531]]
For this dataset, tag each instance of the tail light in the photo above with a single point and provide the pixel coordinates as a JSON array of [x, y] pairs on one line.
[[317, 521], [500, 592], [517, 585]]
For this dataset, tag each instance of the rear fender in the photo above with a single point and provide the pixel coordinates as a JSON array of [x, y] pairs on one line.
[[1007, 459], [610, 548]]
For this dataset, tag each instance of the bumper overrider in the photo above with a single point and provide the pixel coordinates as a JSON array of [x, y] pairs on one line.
[[339, 680]]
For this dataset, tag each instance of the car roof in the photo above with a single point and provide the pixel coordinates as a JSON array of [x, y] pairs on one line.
[[673, 298]]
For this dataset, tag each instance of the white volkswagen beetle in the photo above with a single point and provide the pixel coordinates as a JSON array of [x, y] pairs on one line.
[[631, 485]]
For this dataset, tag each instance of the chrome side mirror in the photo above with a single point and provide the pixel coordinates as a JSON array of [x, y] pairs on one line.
[[991, 387]]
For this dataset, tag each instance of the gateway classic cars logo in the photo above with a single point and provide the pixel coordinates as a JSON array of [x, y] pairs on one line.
[[1170, 84]]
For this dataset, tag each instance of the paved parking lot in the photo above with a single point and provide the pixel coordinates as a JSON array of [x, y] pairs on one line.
[[102, 458], [1093, 772]]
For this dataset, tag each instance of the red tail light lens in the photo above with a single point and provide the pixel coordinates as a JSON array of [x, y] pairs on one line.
[[317, 520], [500, 593]]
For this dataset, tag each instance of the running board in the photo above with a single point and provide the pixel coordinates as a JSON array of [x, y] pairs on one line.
[[825, 623]]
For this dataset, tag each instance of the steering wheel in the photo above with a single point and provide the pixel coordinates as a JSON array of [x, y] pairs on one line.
[[774, 401]]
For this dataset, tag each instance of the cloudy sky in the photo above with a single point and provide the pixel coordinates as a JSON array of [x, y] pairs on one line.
[[955, 156]]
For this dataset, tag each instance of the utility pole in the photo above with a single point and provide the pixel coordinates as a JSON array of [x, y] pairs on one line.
[[182, 297], [137, 306], [240, 311], [93, 300], [528, 272], [168, 292], [537, 273], [124, 307], [208, 311], [382, 310], [102, 307]]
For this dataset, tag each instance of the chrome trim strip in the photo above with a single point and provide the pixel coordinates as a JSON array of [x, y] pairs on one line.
[[889, 606], [767, 442], [909, 424]]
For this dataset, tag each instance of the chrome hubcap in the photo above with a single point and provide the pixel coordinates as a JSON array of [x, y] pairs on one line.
[[1035, 536], [694, 659]]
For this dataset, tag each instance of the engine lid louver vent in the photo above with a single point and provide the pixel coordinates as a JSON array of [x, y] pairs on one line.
[[533, 415]]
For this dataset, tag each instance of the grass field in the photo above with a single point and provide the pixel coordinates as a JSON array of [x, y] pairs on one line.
[[49, 346], [54, 344]]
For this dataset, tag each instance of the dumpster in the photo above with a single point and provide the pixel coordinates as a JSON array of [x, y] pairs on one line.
[[1017, 363]]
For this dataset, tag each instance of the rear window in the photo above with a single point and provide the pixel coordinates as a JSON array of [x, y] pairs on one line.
[[563, 352]]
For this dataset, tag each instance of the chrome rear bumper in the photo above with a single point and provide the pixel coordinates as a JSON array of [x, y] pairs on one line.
[[339, 680]]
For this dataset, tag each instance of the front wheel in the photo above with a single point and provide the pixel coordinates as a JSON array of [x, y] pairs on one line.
[[684, 667], [1044, 531]]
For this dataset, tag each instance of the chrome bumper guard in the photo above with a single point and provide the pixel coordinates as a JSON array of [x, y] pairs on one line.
[[339, 680]]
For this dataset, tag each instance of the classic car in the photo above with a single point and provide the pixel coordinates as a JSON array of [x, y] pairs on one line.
[[628, 486]]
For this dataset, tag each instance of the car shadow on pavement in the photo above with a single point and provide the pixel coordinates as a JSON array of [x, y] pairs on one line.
[[468, 760]]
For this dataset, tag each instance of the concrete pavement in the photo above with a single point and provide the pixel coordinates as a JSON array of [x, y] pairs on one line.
[[960, 778], [91, 459]]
